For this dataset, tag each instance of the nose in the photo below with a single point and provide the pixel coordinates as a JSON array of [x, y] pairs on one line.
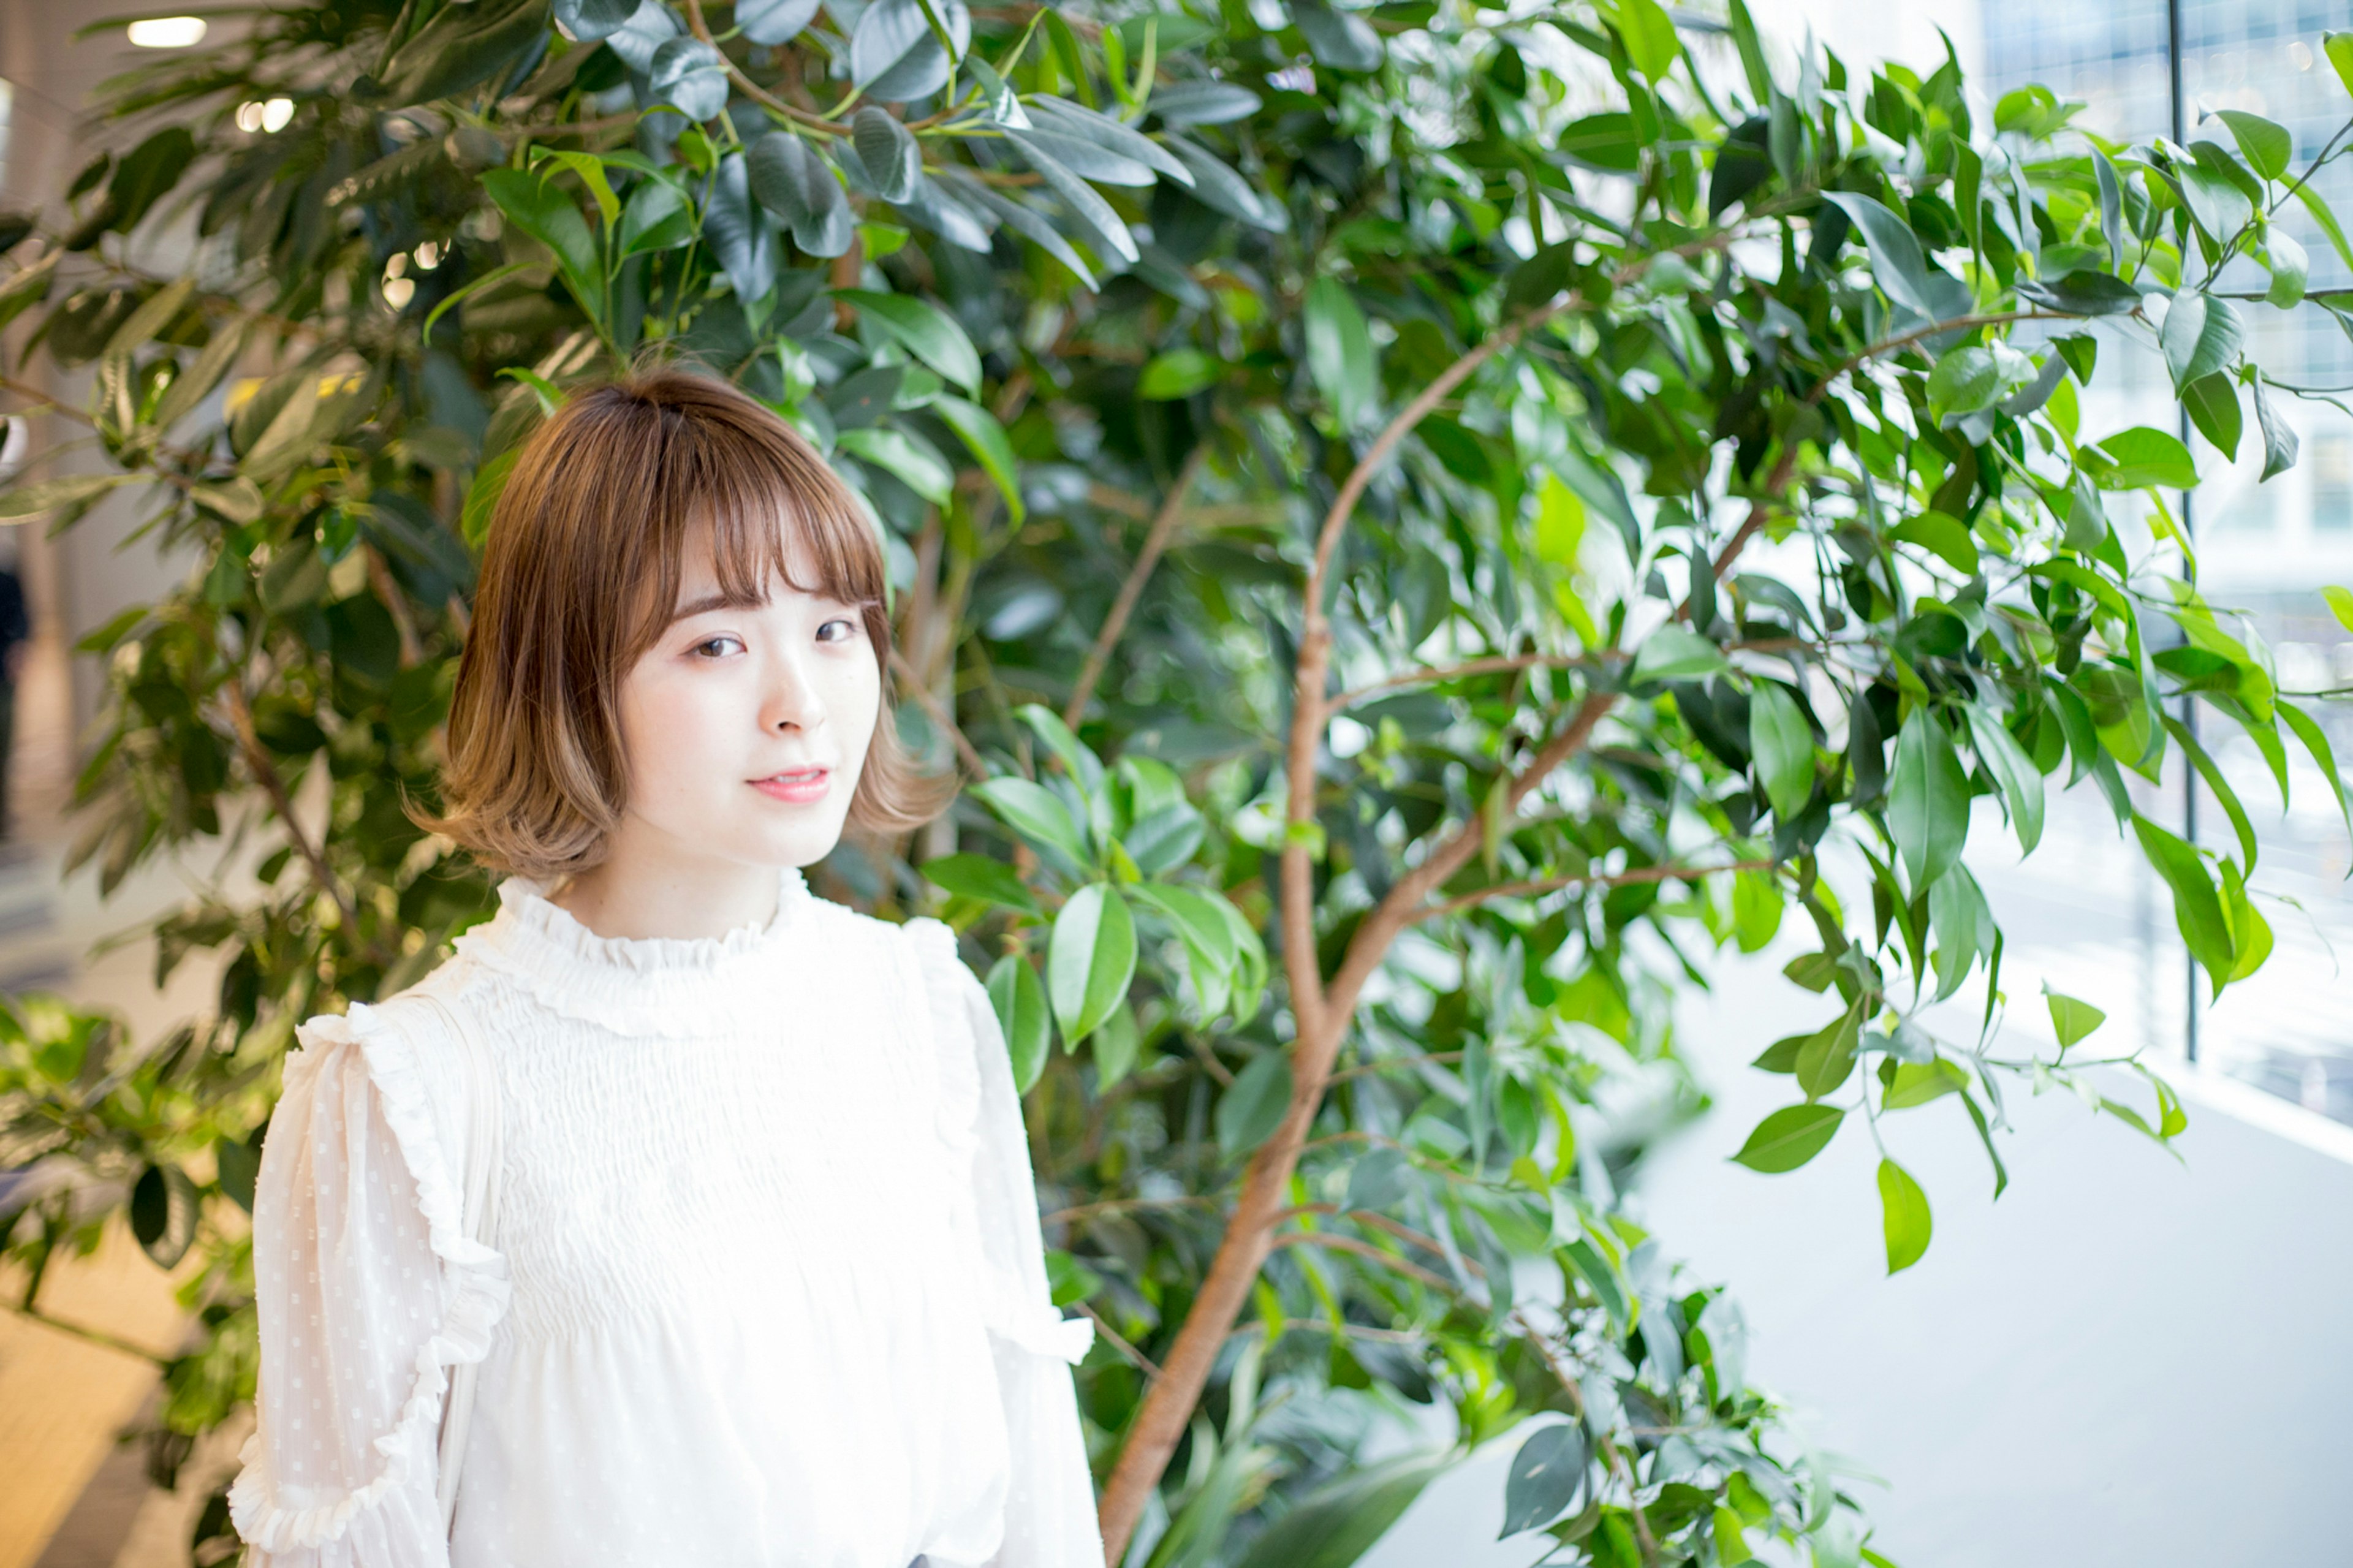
[[790, 700]]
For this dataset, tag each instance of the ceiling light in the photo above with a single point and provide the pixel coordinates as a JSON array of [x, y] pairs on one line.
[[167, 32]]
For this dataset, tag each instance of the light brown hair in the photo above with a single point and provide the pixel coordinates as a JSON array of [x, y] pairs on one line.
[[579, 577]]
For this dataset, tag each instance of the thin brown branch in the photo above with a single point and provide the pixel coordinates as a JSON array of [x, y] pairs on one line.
[[1498, 665], [83, 1331], [1164, 525], [1393, 1064], [1144, 1363], [752, 89], [1611, 879], [1362, 1249], [1611, 1458], [1123, 1205], [265, 772], [939, 714]]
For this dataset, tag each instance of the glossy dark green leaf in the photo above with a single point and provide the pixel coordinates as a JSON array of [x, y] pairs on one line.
[[923, 330], [1252, 1106], [1927, 799], [979, 877], [2280, 441], [2212, 402], [1334, 1525], [889, 151], [1090, 960], [1896, 260], [2201, 335], [1547, 1475], [1022, 1016], [1783, 744]]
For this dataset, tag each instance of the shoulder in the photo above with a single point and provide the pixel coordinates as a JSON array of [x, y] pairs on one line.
[[406, 1049]]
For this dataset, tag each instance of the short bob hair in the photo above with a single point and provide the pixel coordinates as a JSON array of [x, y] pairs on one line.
[[579, 576]]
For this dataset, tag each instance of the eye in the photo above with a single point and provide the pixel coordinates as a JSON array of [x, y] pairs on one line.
[[704, 650], [849, 628]]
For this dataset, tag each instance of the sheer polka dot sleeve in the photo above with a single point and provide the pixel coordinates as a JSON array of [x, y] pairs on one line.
[[368, 1290], [1050, 1504]]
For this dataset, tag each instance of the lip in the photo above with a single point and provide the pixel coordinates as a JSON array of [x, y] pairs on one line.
[[797, 786]]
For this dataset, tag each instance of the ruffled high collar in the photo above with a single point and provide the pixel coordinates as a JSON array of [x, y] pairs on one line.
[[666, 985]]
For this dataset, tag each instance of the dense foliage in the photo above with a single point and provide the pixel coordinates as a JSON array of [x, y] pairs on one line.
[[1426, 520]]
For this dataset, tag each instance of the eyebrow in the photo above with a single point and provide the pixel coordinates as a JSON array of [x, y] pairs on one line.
[[704, 605]]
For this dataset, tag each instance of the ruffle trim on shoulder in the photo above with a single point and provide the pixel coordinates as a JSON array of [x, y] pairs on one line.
[[265, 1517], [951, 989]]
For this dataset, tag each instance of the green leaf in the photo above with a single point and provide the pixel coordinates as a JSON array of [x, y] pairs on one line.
[[1179, 372], [2324, 215], [1547, 1473], [2013, 772], [2141, 456], [1037, 813], [2197, 907], [979, 877], [1101, 224], [1090, 960], [2338, 47], [1021, 1016], [1340, 39], [657, 218], [1972, 378], [1334, 1525], [1918, 1083], [2340, 605], [1115, 1045], [977, 429], [2201, 335], [912, 462], [796, 184], [888, 149], [1943, 536], [1790, 1137], [1650, 36], [2290, 267], [1676, 653], [1903, 1217], [52, 494], [1340, 352], [542, 211], [2266, 145], [2280, 442], [2071, 1020], [2315, 741], [924, 330], [1896, 261], [1077, 759], [2213, 404], [482, 495], [1927, 799], [1827, 1057], [1782, 744], [489, 279], [1253, 1105]]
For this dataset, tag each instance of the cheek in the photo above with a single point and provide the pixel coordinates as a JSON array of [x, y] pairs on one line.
[[858, 703], [669, 728]]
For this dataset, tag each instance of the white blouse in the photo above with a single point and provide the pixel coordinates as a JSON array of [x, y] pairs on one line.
[[767, 1284]]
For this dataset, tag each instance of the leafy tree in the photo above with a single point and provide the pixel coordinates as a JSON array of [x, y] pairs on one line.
[[1417, 520]]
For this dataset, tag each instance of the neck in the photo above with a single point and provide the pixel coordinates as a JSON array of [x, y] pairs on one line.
[[634, 895]]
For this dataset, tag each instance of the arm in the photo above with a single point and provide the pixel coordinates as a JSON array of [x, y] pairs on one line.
[[1050, 1511], [366, 1289]]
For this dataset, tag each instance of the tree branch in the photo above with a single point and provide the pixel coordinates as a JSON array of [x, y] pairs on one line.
[[1498, 665], [939, 715], [266, 771], [1611, 879], [1163, 526]]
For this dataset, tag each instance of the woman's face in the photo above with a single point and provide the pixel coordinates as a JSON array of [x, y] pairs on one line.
[[746, 728]]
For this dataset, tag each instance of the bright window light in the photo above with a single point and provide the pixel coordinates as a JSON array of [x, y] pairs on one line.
[[167, 32], [276, 113], [248, 117]]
